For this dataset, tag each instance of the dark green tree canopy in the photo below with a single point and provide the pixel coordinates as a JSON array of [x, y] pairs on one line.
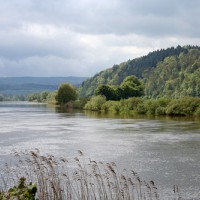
[[107, 91], [140, 67], [131, 87], [66, 93]]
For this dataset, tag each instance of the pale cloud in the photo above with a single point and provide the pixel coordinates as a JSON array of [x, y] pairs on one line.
[[39, 31]]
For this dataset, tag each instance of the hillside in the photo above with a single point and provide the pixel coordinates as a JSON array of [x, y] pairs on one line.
[[176, 76], [148, 68], [27, 85]]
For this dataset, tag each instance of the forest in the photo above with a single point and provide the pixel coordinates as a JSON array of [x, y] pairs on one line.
[[172, 72]]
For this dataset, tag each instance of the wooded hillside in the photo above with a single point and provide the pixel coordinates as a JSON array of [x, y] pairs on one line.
[[166, 72]]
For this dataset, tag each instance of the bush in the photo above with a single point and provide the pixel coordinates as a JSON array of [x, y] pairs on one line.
[[20, 191], [197, 112], [51, 98], [160, 111], [107, 106], [184, 106], [162, 106], [111, 106], [79, 104], [39, 97], [95, 103], [132, 103], [115, 107], [141, 108]]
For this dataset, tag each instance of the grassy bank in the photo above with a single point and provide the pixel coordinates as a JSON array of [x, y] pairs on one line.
[[60, 179], [186, 106]]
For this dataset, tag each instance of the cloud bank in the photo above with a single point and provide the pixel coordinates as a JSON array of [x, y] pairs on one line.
[[80, 38]]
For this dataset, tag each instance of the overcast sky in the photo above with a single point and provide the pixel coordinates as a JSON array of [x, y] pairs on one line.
[[83, 37]]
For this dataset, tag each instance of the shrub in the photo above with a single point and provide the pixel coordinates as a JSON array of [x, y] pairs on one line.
[[130, 104], [197, 112], [21, 191], [95, 103], [115, 107], [51, 98], [142, 108], [162, 106], [79, 104], [111, 106], [160, 111], [183, 106], [107, 106]]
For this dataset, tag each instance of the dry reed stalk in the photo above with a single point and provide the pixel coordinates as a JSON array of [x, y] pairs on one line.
[[57, 180]]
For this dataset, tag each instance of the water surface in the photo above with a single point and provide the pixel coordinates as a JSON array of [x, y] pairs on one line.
[[164, 150]]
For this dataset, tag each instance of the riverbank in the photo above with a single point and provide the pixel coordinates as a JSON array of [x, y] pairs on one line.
[[185, 106]]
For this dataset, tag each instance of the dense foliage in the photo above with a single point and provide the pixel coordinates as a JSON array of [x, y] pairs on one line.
[[66, 93], [44, 97], [187, 106], [176, 76], [21, 191], [108, 91], [130, 87], [163, 71], [38, 97], [95, 103]]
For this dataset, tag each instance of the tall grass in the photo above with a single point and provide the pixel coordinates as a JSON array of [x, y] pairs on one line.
[[59, 179]]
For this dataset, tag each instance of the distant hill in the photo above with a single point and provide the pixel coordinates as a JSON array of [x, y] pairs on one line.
[[165, 72], [28, 85]]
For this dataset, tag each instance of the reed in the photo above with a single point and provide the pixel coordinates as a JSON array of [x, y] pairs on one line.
[[59, 179]]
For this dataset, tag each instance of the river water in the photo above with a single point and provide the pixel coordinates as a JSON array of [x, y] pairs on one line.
[[163, 149]]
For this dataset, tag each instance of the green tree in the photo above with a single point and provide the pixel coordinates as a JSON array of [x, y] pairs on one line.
[[66, 93], [107, 91], [131, 87]]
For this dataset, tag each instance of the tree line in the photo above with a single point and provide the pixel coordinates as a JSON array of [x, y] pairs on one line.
[[154, 70], [172, 87]]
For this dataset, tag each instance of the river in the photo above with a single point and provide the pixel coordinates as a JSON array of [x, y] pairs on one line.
[[165, 150]]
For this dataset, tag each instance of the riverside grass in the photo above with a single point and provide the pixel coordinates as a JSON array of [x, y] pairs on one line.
[[59, 179]]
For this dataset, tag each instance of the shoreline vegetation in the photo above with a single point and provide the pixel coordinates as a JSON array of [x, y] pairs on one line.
[[185, 106], [45, 177], [120, 100], [164, 106]]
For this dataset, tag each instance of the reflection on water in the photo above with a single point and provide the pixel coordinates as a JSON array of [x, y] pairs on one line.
[[162, 149]]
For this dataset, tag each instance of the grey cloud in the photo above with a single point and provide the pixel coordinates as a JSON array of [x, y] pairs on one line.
[[89, 35], [145, 17], [16, 45]]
